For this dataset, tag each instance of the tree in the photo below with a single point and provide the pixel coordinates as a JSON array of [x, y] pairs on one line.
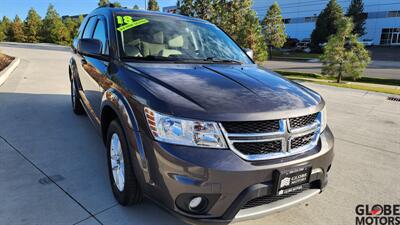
[[204, 9], [326, 23], [356, 12], [53, 29], [80, 20], [5, 28], [103, 3], [136, 7], [106, 2], [252, 36], [117, 4], [32, 26], [220, 13], [235, 17], [186, 8], [274, 28], [72, 26], [16, 30], [242, 24], [2, 33], [344, 55], [153, 5]]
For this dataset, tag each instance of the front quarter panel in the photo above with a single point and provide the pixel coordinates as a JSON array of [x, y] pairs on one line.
[[115, 100]]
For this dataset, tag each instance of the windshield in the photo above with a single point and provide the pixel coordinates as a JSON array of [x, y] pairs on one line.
[[160, 38]]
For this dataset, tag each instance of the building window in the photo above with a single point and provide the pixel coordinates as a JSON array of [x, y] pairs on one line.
[[390, 36], [394, 14], [310, 19], [286, 21]]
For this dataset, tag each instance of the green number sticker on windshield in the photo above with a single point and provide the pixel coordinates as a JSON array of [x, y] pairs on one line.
[[127, 22]]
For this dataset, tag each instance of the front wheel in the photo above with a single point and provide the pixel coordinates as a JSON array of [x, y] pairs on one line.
[[124, 184], [77, 106]]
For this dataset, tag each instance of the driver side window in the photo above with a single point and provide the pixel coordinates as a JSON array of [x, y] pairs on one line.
[[100, 34]]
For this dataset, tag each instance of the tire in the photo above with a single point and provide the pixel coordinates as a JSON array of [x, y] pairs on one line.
[[77, 106], [127, 192]]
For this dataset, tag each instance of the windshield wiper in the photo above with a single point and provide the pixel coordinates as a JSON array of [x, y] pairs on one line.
[[218, 60], [152, 58], [164, 59]]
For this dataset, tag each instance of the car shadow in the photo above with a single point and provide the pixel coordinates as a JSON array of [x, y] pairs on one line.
[[63, 145]]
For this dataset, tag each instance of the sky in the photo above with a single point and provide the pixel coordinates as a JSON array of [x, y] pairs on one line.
[[10, 8]]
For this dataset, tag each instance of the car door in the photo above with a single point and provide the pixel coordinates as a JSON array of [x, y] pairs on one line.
[[95, 67]]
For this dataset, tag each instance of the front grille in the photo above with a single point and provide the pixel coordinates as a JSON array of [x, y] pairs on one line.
[[298, 142], [272, 139], [302, 121], [266, 126], [255, 148], [269, 199]]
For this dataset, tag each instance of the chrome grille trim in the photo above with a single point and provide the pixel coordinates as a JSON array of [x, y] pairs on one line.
[[285, 135]]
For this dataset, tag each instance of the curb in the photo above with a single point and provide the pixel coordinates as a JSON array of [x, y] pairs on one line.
[[7, 71]]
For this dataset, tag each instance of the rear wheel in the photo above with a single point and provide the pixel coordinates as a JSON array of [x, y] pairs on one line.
[[77, 106], [123, 180]]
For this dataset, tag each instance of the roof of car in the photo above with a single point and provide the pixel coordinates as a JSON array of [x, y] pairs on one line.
[[113, 10]]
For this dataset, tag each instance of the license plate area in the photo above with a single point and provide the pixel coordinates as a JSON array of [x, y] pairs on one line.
[[291, 180]]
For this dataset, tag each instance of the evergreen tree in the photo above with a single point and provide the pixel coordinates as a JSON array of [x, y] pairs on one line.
[[204, 9], [32, 26], [53, 29], [356, 12], [80, 20], [117, 4], [103, 2], [186, 8], [344, 55], [72, 26], [252, 36], [235, 17], [2, 32], [5, 27], [326, 23], [274, 28], [242, 24], [136, 7], [16, 30], [153, 5], [220, 13]]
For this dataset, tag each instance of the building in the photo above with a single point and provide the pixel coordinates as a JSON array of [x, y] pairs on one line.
[[169, 9], [172, 9], [382, 24]]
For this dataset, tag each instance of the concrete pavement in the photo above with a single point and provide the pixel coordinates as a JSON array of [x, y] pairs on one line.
[[53, 166], [378, 69]]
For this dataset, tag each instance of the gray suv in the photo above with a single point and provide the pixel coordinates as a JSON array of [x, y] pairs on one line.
[[191, 122]]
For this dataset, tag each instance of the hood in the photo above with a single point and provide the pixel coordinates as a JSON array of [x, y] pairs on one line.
[[225, 92]]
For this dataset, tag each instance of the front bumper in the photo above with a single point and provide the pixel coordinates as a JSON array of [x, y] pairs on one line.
[[227, 178]]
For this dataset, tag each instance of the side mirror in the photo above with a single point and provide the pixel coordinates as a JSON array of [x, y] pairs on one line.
[[249, 52], [88, 46]]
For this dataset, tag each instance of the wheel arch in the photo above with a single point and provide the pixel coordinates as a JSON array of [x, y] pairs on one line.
[[115, 105], [72, 68]]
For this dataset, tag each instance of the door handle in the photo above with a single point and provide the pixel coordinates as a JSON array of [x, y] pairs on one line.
[[83, 61]]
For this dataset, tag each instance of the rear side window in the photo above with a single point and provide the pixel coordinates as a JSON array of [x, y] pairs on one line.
[[87, 33], [100, 34]]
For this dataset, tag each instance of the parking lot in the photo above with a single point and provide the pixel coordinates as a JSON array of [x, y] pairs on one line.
[[53, 164]]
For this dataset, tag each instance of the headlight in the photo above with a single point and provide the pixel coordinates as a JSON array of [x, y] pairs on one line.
[[324, 119], [179, 131]]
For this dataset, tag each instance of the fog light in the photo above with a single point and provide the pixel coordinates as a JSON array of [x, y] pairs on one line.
[[195, 203]]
